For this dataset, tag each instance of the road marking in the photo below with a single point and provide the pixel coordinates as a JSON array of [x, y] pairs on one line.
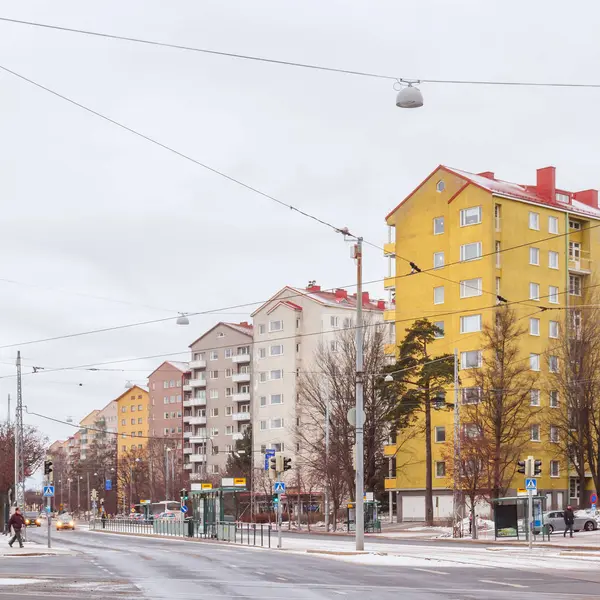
[[432, 571], [339, 593], [515, 585], [260, 573], [282, 579]]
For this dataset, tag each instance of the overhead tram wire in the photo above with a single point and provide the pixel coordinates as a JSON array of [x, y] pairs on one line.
[[296, 64], [256, 342]]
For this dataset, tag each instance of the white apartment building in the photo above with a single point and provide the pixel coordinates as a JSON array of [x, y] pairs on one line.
[[216, 398], [284, 345]]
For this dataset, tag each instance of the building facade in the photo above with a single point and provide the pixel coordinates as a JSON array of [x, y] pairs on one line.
[[288, 330], [132, 420], [165, 386], [87, 429], [490, 241], [216, 406]]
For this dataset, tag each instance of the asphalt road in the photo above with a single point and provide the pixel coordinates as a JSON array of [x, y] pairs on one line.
[[122, 567]]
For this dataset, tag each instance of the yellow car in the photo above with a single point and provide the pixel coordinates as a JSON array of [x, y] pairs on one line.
[[65, 522], [32, 519]]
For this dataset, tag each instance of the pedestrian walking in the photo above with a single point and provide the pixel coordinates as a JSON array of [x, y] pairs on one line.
[[103, 517], [17, 522], [569, 517]]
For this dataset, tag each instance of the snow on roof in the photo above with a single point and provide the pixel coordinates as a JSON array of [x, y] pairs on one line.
[[241, 327], [182, 366], [339, 301]]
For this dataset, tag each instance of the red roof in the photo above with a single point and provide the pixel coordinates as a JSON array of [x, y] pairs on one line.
[[287, 303], [544, 192]]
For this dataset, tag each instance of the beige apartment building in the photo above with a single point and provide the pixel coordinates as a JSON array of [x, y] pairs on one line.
[[216, 404]]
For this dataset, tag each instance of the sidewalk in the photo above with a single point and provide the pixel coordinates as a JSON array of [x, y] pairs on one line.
[[30, 549]]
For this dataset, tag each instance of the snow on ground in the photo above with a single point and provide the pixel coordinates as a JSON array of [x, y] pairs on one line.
[[9, 581]]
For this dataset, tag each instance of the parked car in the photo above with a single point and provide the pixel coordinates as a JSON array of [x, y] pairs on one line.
[[166, 515], [65, 521], [556, 522], [32, 519]]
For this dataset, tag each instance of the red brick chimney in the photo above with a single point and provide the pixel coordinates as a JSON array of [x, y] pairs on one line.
[[487, 174], [365, 298], [313, 288], [589, 197], [341, 293], [546, 183], [245, 324], [381, 304]]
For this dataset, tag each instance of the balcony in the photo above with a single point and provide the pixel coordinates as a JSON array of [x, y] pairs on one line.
[[187, 387], [581, 266], [389, 450], [389, 282], [197, 364], [241, 359], [192, 420], [194, 402], [187, 450], [188, 466], [240, 378], [187, 435], [197, 383], [241, 416], [389, 249], [242, 397], [196, 477], [390, 483], [198, 439], [238, 436], [197, 458]]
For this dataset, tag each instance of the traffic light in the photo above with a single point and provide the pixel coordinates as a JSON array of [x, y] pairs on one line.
[[279, 463], [537, 467], [272, 468], [183, 494], [275, 500], [521, 467], [529, 466], [48, 469], [287, 463]]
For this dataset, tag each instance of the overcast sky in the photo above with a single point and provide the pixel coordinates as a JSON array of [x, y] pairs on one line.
[[90, 209]]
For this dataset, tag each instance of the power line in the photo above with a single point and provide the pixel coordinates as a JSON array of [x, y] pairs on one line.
[[297, 64]]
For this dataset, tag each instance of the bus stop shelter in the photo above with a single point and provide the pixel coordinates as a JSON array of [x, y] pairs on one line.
[[511, 517]]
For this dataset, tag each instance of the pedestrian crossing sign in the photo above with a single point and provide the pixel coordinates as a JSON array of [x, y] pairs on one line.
[[531, 484], [48, 491]]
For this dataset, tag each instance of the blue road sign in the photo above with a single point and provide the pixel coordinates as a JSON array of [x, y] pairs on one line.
[[48, 509], [268, 454], [184, 508], [594, 498], [48, 491], [108, 485], [279, 487], [593, 507], [531, 484]]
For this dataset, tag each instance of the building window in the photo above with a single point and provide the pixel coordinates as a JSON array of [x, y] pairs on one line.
[[553, 329], [228, 373], [534, 326], [440, 186], [276, 325], [535, 433], [214, 469], [276, 398], [333, 346], [553, 364], [497, 216], [553, 260], [214, 432], [470, 251], [534, 291], [214, 355], [278, 447], [214, 375], [220, 334], [470, 216], [574, 285], [534, 398], [123, 422], [140, 421], [552, 224], [132, 408], [438, 260], [214, 394], [262, 328], [554, 468], [470, 395], [470, 359], [228, 352], [263, 400], [438, 225], [554, 399], [534, 221], [554, 434], [276, 350], [497, 247], [263, 426], [262, 377], [440, 435], [228, 411], [229, 430], [553, 294], [334, 321], [276, 374], [140, 407], [439, 333], [166, 385], [214, 412], [438, 295], [576, 225], [440, 468], [534, 256], [534, 362], [277, 423], [470, 324], [470, 288], [133, 421]]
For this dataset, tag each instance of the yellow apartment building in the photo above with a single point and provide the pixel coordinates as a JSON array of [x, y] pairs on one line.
[[464, 226], [133, 408]]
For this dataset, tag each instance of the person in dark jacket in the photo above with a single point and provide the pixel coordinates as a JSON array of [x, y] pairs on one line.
[[569, 517], [17, 522]]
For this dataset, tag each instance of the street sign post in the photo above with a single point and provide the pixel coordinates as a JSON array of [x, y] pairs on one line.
[[268, 454], [48, 491], [593, 507], [184, 508], [593, 498], [108, 485], [279, 487], [531, 484], [531, 487]]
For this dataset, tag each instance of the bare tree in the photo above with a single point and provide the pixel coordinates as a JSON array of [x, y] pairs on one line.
[[497, 410], [328, 387]]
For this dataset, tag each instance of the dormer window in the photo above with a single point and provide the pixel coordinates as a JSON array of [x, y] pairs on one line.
[[564, 198]]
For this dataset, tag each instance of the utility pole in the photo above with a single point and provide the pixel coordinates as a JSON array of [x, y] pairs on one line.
[[327, 465], [359, 492], [78, 495], [456, 496], [19, 443], [88, 493], [167, 450]]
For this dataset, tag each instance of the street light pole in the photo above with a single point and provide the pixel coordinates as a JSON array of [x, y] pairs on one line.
[[359, 491], [69, 494], [88, 492], [167, 450], [78, 495], [327, 465]]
